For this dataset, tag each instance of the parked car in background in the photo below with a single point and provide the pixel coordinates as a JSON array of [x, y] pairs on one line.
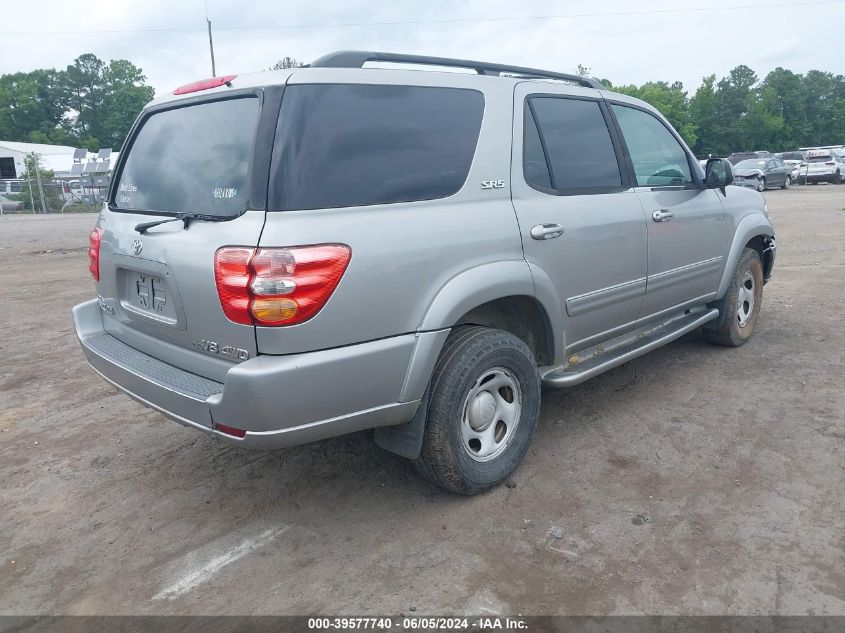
[[7, 205], [826, 167], [760, 173], [737, 157], [793, 160]]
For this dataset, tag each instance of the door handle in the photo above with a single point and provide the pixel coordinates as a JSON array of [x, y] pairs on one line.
[[662, 215], [546, 231]]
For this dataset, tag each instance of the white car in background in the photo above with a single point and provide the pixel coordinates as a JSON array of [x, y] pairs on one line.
[[823, 166]]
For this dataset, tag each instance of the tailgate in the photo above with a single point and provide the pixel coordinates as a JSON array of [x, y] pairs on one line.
[[157, 287]]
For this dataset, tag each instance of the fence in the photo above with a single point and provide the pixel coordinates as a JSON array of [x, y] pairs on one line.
[[40, 195]]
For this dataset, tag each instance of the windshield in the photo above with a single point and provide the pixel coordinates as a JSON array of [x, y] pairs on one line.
[[752, 163], [193, 159]]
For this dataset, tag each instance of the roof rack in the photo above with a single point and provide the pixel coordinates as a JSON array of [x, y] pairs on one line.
[[357, 59]]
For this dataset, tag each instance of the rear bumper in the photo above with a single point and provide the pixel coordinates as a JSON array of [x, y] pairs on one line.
[[279, 400]]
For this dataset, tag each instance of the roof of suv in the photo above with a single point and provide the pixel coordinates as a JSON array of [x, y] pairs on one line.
[[357, 60]]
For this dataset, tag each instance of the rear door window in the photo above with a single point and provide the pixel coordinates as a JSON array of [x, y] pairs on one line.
[[577, 144], [342, 145], [191, 159]]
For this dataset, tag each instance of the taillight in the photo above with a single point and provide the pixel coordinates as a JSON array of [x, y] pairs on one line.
[[94, 241], [277, 286], [204, 84]]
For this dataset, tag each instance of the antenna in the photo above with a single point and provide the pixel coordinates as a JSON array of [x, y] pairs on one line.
[[210, 41]]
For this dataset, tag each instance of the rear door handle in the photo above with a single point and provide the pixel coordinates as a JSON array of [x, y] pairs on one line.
[[546, 231], [662, 215]]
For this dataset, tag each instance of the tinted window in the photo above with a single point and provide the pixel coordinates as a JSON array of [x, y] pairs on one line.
[[350, 145], [534, 164], [577, 140], [820, 159], [658, 158], [194, 158]]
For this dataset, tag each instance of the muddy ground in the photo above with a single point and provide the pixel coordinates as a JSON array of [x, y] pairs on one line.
[[694, 480]]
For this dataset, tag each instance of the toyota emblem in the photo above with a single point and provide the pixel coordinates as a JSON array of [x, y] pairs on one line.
[[137, 246]]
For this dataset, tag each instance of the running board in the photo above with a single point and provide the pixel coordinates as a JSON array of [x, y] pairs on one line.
[[574, 374]]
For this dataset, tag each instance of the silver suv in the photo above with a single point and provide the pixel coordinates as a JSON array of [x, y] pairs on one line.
[[298, 254]]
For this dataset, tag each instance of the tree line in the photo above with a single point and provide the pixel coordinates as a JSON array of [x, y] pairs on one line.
[[93, 103]]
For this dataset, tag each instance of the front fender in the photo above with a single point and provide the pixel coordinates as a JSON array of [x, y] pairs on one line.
[[749, 227]]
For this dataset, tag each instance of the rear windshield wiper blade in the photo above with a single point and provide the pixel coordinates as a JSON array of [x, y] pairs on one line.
[[187, 218]]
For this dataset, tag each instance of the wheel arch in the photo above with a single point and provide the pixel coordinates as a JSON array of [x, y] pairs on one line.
[[753, 231], [512, 296]]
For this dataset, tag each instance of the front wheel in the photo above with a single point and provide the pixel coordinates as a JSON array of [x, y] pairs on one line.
[[787, 182], [483, 407], [761, 184], [742, 307]]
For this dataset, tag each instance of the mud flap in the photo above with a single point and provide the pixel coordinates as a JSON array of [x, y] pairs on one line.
[[405, 439]]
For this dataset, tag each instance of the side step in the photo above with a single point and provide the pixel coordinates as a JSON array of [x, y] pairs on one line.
[[642, 343]]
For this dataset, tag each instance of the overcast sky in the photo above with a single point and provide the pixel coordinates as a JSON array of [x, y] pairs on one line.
[[644, 40]]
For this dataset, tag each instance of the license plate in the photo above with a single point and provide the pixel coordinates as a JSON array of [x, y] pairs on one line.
[[150, 294]]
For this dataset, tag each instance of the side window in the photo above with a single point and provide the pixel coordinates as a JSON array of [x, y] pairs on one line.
[[577, 144], [343, 145], [659, 160]]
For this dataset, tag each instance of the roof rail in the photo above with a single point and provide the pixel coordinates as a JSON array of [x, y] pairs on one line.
[[357, 59]]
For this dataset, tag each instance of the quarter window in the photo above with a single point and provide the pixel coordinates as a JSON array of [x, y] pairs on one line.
[[342, 145], [659, 160], [577, 145]]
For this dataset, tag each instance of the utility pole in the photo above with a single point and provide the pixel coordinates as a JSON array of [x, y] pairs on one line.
[[38, 180], [211, 47], [29, 181]]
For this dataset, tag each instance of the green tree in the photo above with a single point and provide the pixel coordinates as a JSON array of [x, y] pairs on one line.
[[286, 62], [32, 103], [702, 110]]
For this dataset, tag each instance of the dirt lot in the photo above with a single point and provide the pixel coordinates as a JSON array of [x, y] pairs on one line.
[[693, 480]]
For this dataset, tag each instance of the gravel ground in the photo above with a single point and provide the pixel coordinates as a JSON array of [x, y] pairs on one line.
[[694, 480]]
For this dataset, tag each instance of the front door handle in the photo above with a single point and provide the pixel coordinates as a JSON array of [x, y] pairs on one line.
[[662, 215], [546, 231]]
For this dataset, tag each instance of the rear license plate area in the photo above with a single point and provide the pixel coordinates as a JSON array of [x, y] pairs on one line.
[[149, 295]]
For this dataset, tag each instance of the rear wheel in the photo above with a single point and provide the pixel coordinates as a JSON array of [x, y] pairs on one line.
[[787, 182], [742, 308], [761, 184], [483, 407]]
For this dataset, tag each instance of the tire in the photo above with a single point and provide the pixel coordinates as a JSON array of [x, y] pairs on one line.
[[741, 316], [761, 185], [459, 415], [786, 183]]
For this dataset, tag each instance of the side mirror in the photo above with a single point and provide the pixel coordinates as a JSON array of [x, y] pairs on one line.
[[718, 173]]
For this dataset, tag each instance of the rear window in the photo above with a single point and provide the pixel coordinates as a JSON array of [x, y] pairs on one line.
[[820, 159], [341, 145], [191, 159]]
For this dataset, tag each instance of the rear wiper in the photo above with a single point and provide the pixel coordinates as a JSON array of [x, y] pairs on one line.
[[187, 218]]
